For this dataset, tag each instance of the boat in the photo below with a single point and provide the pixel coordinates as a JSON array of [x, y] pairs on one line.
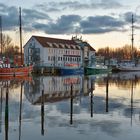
[[128, 65], [16, 72], [6, 70], [97, 69], [71, 70]]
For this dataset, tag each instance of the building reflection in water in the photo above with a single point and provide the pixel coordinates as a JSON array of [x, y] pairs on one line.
[[56, 88]]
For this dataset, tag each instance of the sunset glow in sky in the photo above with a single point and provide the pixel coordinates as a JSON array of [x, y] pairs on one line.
[[100, 22]]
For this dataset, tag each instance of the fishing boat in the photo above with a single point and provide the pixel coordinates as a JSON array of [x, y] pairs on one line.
[[5, 69], [97, 69]]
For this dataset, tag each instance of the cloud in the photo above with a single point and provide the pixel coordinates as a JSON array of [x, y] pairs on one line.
[[39, 20], [69, 24], [10, 17], [101, 24], [76, 5], [63, 25], [45, 7]]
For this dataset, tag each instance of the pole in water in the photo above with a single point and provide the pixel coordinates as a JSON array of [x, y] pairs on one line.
[[71, 105], [42, 113]]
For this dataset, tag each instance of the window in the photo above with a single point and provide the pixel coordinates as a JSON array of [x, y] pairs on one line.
[[48, 58]]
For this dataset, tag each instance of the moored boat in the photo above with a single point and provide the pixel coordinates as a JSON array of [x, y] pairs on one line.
[[97, 70], [127, 65], [5, 67], [16, 71], [71, 70]]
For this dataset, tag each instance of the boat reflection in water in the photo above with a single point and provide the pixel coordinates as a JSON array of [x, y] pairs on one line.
[[6, 85]]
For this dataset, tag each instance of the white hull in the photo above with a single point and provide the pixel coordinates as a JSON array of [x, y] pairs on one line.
[[125, 68]]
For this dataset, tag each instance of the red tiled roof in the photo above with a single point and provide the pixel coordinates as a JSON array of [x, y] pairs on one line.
[[56, 43]]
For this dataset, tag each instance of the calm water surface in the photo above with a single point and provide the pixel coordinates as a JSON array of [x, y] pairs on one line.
[[71, 107]]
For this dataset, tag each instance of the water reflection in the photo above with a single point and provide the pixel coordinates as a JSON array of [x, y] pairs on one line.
[[20, 110], [6, 87], [55, 107], [1, 96], [6, 112], [56, 88]]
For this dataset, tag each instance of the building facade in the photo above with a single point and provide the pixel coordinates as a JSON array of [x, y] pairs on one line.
[[52, 52]]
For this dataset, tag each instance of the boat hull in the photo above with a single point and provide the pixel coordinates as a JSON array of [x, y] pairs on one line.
[[16, 71], [127, 69], [71, 71], [90, 70]]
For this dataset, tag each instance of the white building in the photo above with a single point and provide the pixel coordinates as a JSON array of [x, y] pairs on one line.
[[53, 52]]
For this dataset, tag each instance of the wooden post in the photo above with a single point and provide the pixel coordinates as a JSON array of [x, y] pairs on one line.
[[71, 105], [42, 113], [91, 99], [107, 94], [6, 113]]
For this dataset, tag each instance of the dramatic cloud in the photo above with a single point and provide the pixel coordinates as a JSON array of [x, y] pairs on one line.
[[101, 24], [64, 25], [68, 24], [38, 19], [10, 17]]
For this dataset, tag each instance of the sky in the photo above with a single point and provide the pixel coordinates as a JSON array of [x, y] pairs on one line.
[[102, 23]]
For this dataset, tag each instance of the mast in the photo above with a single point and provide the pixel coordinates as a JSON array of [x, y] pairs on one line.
[[20, 32], [1, 33], [132, 38]]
